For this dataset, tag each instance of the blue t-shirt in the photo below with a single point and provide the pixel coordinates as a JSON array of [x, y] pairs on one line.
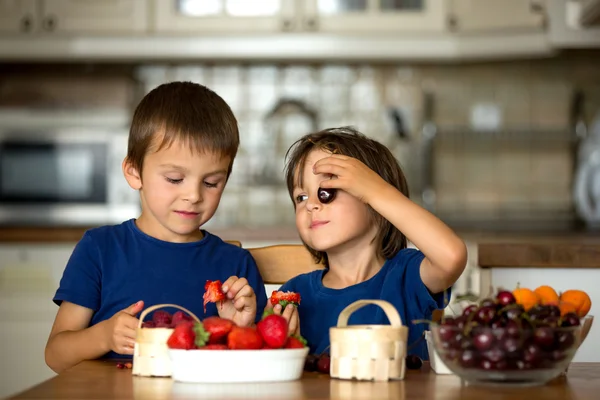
[[398, 282], [113, 267]]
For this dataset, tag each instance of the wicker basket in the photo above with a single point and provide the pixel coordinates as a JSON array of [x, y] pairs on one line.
[[368, 352], [150, 353]]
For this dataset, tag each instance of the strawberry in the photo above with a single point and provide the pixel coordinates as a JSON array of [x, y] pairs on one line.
[[148, 324], [213, 347], [274, 330], [295, 342], [213, 292], [183, 337], [161, 317], [244, 338], [285, 298], [218, 328], [179, 317]]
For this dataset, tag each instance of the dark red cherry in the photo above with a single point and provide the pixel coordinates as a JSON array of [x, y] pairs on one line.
[[565, 340], [468, 358], [514, 312], [485, 314], [310, 364], [326, 195], [469, 310], [413, 362], [570, 319], [323, 363], [544, 337], [505, 298], [483, 340]]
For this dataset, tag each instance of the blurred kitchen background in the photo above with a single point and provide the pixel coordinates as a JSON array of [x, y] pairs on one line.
[[491, 107]]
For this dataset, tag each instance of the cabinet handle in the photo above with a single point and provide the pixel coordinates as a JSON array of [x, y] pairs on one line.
[[310, 23], [49, 23], [452, 23], [287, 25], [26, 23]]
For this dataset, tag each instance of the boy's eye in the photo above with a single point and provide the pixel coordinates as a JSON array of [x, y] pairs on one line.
[[301, 197], [174, 181], [211, 185]]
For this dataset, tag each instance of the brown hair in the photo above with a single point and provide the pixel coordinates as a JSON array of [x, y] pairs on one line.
[[187, 112], [376, 156]]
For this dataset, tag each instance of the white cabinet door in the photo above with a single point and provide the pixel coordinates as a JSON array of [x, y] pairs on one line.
[[93, 16], [493, 15], [17, 16], [223, 16], [376, 16]]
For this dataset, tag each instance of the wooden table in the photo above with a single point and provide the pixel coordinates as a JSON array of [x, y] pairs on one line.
[[102, 380]]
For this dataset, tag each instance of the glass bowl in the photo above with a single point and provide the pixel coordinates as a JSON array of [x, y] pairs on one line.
[[513, 353]]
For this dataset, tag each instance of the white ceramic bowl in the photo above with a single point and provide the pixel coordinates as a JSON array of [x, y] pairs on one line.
[[220, 366]]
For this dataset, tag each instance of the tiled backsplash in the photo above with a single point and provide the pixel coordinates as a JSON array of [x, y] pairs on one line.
[[471, 175], [496, 178]]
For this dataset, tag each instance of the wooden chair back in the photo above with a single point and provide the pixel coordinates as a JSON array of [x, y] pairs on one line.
[[280, 263]]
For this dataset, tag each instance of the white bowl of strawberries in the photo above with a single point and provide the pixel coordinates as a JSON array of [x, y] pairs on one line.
[[218, 351]]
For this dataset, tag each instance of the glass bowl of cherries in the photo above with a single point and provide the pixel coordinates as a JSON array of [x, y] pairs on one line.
[[498, 342]]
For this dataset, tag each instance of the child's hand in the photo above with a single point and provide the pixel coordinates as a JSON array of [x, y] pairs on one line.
[[240, 306], [350, 175], [290, 313], [121, 329]]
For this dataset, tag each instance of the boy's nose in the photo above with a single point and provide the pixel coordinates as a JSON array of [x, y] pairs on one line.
[[193, 196]]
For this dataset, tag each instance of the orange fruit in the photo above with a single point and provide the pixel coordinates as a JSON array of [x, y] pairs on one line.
[[547, 295], [580, 299], [526, 297], [566, 308]]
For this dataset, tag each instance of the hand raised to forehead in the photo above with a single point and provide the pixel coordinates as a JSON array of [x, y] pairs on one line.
[[350, 175]]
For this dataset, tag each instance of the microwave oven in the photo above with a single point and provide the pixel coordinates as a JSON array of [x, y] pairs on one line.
[[67, 176]]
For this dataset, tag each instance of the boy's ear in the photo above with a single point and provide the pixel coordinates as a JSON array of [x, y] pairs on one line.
[[131, 175]]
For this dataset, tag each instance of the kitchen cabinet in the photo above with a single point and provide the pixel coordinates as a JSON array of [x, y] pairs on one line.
[[17, 16], [92, 16], [374, 16], [492, 15], [223, 16], [51, 17], [299, 16]]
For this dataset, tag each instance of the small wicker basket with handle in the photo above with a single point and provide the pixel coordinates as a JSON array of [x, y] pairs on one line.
[[368, 352], [151, 353]]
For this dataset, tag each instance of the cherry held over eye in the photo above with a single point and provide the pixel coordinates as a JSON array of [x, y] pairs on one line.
[[326, 195]]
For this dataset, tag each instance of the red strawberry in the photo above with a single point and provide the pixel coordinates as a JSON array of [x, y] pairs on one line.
[[244, 338], [218, 328], [148, 324], [295, 343], [161, 317], [213, 292], [274, 330], [179, 317], [285, 298], [183, 337], [213, 347]]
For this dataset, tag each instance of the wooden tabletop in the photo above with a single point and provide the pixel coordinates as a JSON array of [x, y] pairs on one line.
[[102, 380]]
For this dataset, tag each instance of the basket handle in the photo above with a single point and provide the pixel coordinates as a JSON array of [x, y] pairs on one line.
[[389, 310], [157, 306]]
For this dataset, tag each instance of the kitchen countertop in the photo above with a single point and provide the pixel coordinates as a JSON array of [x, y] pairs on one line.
[[102, 380], [541, 252], [57, 234]]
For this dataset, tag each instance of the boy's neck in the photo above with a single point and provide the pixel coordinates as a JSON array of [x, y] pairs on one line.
[[352, 266]]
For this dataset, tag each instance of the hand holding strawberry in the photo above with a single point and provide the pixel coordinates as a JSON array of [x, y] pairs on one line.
[[240, 303], [120, 329]]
